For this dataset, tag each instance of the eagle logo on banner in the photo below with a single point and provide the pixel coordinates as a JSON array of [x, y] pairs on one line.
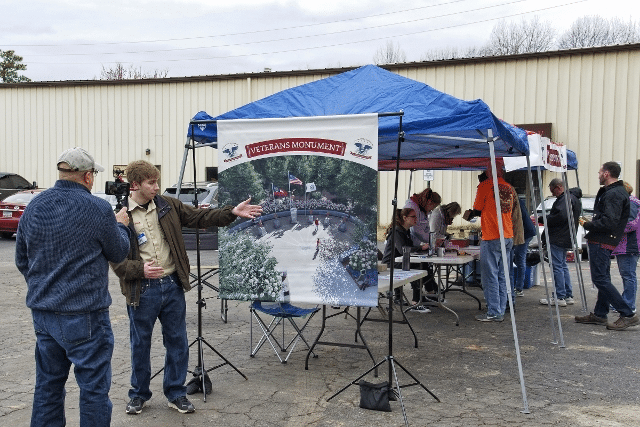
[[231, 152], [363, 146]]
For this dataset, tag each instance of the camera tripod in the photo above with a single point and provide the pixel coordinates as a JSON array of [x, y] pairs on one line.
[[200, 372]]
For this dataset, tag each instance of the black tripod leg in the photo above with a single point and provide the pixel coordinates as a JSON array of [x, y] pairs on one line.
[[415, 379], [355, 382], [226, 362]]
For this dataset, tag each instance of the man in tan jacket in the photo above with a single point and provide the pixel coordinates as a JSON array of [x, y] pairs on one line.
[[155, 276]]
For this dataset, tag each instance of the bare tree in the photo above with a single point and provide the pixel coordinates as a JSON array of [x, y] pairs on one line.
[[589, 31], [439, 54], [120, 72], [9, 67], [390, 53], [454, 53], [510, 38]]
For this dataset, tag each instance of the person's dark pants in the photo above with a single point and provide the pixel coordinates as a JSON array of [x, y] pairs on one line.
[[84, 340], [600, 265], [161, 299], [627, 264], [519, 255], [561, 276]]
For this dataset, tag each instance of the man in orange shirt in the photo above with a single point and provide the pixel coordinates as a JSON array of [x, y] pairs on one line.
[[491, 264]]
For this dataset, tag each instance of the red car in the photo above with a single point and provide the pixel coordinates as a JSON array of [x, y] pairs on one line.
[[11, 210]]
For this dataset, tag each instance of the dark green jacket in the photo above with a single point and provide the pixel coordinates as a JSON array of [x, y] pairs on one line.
[[172, 215]]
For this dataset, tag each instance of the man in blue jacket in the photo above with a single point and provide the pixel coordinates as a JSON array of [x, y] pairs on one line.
[[604, 231], [65, 239], [560, 238]]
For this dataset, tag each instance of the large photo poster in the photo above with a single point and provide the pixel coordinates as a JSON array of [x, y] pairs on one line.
[[316, 180]]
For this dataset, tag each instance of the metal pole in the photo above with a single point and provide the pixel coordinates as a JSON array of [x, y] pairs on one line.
[[574, 242], [539, 237], [553, 279], [496, 196]]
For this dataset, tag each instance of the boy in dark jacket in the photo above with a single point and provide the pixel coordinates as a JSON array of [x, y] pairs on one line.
[[155, 276], [604, 231]]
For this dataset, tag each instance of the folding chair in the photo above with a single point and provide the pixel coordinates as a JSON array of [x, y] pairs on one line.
[[279, 312]]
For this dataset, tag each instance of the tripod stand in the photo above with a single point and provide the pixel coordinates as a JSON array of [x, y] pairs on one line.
[[200, 372], [389, 359]]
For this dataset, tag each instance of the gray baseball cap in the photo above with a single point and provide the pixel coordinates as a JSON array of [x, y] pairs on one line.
[[79, 160]]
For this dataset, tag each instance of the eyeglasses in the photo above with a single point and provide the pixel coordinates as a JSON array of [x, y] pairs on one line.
[[93, 171], [411, 216]]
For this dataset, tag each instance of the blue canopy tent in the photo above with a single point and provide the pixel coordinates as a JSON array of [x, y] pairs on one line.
[[440, 131], [434, 130]]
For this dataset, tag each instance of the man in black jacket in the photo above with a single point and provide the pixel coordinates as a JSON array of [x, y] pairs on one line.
[[560, 238], [604, 231]]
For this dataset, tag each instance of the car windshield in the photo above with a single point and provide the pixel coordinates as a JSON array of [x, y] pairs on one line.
[[20, 198]]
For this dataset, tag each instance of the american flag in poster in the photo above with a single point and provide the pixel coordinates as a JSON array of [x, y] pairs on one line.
[[294, 180]]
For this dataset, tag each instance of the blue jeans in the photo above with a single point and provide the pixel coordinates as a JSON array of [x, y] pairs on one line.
[[600, 265], [519, 265], [494, 284], [627, 264], [561, 272], [159, 299], [84, 340]]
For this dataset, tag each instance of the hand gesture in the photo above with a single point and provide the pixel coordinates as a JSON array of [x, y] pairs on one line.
[[151, 271], [122, 217], [245, 210]]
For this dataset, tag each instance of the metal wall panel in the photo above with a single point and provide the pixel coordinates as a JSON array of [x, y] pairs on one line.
[[592, 98]]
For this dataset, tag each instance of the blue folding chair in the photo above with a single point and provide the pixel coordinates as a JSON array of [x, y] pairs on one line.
[[279, 312]]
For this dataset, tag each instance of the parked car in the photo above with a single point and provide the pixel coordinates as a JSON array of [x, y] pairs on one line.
[[207, 193], [11, 183], [587, 211], [207, 196], [12, 208]]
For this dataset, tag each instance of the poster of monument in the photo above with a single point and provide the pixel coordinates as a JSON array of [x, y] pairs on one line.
[[316, 179]]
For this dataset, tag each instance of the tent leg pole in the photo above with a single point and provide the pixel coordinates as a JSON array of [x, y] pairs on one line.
[[574, 241], [540, 250], [544, 274], [506, 269]]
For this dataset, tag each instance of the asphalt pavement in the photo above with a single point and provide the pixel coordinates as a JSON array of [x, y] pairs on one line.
[[594, 379]]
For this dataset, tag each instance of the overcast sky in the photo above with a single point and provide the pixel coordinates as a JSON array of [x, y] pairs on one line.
[[74, 39]]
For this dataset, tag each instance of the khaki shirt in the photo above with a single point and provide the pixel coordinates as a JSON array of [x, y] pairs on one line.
[[151, 240]]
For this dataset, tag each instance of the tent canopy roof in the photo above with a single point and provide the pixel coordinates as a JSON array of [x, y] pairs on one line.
[[430, 118]]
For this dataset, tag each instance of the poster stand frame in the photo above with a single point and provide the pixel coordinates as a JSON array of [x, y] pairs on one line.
[[200, 371], [389, 359]]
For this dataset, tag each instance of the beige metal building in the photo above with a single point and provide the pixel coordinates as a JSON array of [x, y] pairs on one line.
[[588, 99]]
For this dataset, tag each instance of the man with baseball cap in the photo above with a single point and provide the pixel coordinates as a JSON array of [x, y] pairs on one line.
[[77, 159], [65, 239]]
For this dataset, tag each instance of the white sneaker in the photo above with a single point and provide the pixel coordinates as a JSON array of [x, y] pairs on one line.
[[420, 309], [561, 302], [569, 301]]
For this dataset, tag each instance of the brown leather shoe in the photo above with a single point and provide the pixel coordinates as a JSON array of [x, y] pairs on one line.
[[592, 319], [624, 322]]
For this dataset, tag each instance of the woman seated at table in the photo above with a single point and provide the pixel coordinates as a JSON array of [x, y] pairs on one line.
[[403, 221], [442, 217]]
